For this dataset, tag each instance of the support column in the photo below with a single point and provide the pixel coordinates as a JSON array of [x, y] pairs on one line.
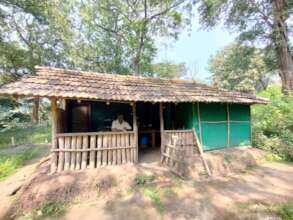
[[54, 113], [135, 129], [228, 126], [199, 123], [162, 126]]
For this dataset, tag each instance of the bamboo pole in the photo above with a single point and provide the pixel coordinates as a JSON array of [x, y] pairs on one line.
[[99, 153], [54, 157], [67, 154], [114, 144], [61, 141], [228, 125], [135, 129], [78, 154], [104, 154], [85, 145], [73, 154], [162, 128], [92, 153], [199, 123]]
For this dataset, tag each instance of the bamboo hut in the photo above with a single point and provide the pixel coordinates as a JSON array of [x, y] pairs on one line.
[[84, 104]]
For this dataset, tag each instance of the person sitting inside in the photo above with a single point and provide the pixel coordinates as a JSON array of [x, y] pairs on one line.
[[120, 125]]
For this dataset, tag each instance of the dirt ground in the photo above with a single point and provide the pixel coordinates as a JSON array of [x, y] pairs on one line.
[[111, 192]]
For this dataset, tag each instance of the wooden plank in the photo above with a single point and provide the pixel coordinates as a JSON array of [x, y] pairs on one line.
[[118, 149], [123, 144], [109, 152], [128, 151], [114, 145], [162, 127], [85, 145], [78, 154], [99, 153], [131, 140], [199, 123], [54, 156], [135, 130], [73, 154], [61, 141], [90, 149], [67, 154], [93, 143], [93, 133], [104, 153], [228, 125]]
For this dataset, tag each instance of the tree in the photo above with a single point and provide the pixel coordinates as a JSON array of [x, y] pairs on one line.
[[125, 31], [264, 22], [239, 67], [32, 33], [169, 70]]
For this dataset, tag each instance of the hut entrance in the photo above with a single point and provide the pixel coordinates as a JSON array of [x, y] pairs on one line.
[[148, 121]]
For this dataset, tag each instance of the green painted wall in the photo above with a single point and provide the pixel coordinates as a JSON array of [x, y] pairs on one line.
[[213, 122]]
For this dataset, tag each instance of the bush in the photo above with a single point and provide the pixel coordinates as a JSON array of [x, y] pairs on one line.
[[26, 134], [273, 124], [9, 163]]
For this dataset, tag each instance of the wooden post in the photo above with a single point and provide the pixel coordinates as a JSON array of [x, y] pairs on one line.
[[228, 125], [199, 123], [54, 132], [135, 129], [162, 127]]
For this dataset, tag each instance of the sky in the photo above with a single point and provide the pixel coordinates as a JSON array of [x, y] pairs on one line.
[[195, 48]]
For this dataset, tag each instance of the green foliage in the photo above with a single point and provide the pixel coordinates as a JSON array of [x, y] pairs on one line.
[[10, 162], [256, 22], [239, 67], [141, 180], [154, 194], [26, 134], [169, 70], [49, 209], [273, 124], [286, 211], [53, 208]]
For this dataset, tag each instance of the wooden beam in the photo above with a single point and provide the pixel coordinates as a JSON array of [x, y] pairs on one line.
[[199, 123], [162, 126], [55, 119], [228, 125], [135, 129]]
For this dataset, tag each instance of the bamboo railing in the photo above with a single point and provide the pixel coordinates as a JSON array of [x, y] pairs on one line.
[[179, 148], [75, 151], [179, 145]]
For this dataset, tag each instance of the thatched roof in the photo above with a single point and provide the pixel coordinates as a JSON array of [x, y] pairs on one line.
[[70, 84]]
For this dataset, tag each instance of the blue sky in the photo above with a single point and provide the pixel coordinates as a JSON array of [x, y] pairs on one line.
[[194, 48]]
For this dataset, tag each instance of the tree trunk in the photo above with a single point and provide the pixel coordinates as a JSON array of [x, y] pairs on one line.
[[281, 41], [35, 111]]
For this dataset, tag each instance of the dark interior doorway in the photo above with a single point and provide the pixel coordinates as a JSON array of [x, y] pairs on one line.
[[148, 120]]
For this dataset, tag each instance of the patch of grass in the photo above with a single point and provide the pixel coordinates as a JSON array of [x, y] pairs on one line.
[[154, 194], [49, 209], [271, 157], [10, 163], [178, 181], [141, 180], [29, 134], [54, 208], [286, 210]]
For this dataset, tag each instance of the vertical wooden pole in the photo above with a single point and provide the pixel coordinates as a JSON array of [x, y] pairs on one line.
[[250, 125], [135, 129], [162, 127], [199, 123], [54, 132], [228, 125]]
